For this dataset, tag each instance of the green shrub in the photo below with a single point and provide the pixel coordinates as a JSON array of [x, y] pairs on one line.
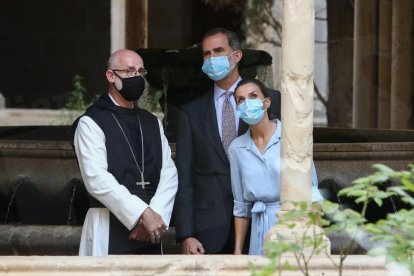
[[393, 236]]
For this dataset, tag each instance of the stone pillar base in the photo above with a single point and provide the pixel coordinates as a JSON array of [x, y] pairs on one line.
[[283, 233]]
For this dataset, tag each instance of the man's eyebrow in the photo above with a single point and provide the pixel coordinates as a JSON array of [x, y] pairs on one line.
[[132, 67], [218, 49]]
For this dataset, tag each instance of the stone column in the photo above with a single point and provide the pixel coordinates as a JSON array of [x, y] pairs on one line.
[[129, 24], [365, 64], [384, 63], [2, 102], [402, 85], [297, 115], [117, 25], [297, 101]]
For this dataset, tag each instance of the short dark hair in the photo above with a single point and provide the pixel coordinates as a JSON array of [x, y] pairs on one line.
[[232, 38], [263, 89]]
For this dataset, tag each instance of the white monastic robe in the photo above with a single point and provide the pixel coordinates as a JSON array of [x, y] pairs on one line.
[[89, 141]]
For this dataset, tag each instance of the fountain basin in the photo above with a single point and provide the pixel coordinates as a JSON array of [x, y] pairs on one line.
[[41, 190], [25, 240]]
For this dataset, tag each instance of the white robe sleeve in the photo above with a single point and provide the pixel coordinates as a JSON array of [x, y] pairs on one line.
[[163, 200], [90, 149]]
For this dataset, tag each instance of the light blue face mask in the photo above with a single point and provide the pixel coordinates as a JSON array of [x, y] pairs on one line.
[[251, 111], [217, 68]]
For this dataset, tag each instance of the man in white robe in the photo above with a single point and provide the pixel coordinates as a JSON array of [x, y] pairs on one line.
[[113, 128]]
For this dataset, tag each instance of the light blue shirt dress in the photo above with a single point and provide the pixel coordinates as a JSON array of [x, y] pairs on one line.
[[255, 180]]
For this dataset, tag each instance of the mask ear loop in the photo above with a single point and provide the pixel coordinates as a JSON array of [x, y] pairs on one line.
[[228, 57], [119, 77], [231, 53], [229, 60]]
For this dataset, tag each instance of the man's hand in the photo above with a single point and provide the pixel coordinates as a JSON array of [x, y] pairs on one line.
[[192, 246], [154, 225], [140, 233]]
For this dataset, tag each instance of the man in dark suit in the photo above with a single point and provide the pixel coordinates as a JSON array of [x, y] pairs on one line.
[[203, 207]]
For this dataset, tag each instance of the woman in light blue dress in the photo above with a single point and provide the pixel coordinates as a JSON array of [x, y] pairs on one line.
[[255, 167]]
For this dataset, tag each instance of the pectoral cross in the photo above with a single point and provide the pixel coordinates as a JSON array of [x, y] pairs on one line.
[[142, 183]]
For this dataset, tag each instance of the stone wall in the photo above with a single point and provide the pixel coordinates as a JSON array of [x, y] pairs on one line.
[[45, 43]]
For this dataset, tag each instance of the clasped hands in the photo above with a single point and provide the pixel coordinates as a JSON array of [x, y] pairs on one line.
[[149, 228]]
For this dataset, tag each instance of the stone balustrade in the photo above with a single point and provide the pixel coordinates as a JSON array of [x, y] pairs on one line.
[[181, 265]]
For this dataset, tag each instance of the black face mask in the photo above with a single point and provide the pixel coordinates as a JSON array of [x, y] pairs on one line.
[[132, 88]]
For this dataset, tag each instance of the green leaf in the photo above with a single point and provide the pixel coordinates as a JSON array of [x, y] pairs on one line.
[[329, 207], [379, 178], [362, 180], [377, 251], [291, 225], [372, 228], [303, 205], [356, 193], [408, 184], [378, 201], [383, 168], [361, 199]]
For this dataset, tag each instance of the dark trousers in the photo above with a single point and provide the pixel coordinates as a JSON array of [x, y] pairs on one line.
[[229, 246]]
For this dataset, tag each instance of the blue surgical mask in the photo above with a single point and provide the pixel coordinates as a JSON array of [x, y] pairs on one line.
[[217, 68], [251, 111]]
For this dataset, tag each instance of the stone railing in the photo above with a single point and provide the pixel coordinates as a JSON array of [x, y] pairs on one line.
[[182, 265]]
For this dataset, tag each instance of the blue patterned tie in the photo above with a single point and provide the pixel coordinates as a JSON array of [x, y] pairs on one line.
[[228, 123]]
